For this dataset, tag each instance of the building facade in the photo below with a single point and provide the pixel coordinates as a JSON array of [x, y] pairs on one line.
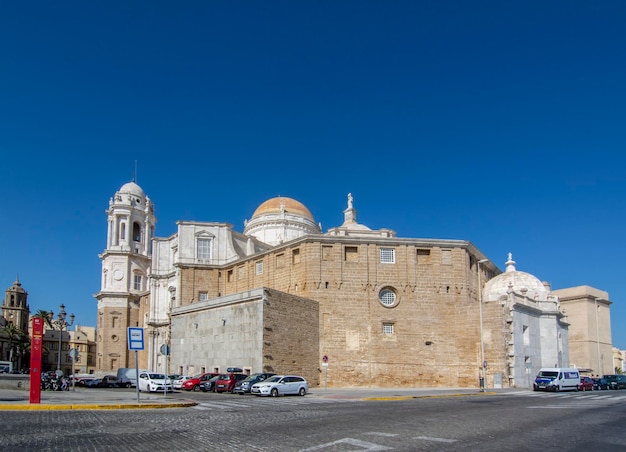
[[588, 310], [361, 307]]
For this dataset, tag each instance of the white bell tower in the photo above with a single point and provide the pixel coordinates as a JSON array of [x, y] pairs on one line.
[[126, 264]]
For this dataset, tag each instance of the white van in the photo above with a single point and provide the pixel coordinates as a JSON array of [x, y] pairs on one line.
[[557, 379], [127, 376]]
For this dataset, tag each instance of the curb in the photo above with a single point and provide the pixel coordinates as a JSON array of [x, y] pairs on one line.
[[432, 396], [92, 406]]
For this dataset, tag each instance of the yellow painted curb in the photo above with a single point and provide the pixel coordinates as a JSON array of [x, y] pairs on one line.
[[95, 406]]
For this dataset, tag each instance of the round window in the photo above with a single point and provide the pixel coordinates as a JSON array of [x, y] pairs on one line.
[[387, 297]]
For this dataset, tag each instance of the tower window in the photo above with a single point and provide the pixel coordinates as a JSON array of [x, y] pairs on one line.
[[388, 328], [259, 268], [136, 232]]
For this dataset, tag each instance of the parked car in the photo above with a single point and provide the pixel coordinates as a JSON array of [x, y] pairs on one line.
[[600, 383], [109, 381], [93, 383], [153, 382], [281, 385], [209, 385], [244, 386], [616, 381], [193, 384], [226, 382], [178, 383], [83, 381], [586, 384]]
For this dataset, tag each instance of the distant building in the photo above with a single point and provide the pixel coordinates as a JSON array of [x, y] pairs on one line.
[[352, 306], [588, 310], [58, 344], [14, 326], [619, 357], [533, 330]]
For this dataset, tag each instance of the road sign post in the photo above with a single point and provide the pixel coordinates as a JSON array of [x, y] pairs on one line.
[[136, 342]]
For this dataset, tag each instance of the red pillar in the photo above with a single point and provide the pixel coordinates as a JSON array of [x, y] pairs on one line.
[[36, 345]]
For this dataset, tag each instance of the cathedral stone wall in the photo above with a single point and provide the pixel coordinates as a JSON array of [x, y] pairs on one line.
[[261, 330], [429, 337]]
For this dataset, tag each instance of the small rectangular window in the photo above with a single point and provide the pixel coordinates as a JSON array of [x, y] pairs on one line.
[[137, 282], [229, 276], [241, 272], [327, 252], [387, 256], [423, 256], [280, 260], [295, 256], [446, 257], [203, 296], [388, 328], [525, 335], [204, 249], [351, 254], [259, 268]]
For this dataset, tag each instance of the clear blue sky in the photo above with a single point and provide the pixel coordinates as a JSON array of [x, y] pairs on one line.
[[502, 123]]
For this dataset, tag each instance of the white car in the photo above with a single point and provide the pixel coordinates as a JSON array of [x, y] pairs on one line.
[[178, 383], [153, 382], [281, 385]]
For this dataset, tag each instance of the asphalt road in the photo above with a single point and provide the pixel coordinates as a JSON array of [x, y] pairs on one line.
[[224, 422]]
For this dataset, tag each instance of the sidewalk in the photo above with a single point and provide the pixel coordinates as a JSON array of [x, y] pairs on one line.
[[112, 399]]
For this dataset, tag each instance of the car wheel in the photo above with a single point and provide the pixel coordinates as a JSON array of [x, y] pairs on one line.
[[128, 385], [302, 391], [274, 392], [196, 388]]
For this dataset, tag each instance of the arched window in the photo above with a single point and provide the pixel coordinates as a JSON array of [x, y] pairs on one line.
[[136, 232]]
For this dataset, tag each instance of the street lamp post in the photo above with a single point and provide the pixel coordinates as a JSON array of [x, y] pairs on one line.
[[59, 325], [483, 366]]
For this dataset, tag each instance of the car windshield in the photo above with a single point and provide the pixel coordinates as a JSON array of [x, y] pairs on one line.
[[272, 379], [610, 378], [157, 376], [547, 374]]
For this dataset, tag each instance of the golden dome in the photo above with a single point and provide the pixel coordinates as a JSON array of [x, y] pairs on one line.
[[277, 205]]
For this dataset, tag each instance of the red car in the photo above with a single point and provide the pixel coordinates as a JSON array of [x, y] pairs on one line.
[[193, 384], [586, 384], [226, 382]]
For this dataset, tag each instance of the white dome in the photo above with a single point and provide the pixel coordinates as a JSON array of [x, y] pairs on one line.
[[132, 188], [519, 282]]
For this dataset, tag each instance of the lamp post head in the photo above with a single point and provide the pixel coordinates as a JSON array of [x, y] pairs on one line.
[[72, 317]]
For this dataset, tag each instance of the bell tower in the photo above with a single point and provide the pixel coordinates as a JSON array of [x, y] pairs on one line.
[[126, 264], [15, 306]]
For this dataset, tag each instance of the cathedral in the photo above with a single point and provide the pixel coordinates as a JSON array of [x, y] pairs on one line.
[[350, 306]]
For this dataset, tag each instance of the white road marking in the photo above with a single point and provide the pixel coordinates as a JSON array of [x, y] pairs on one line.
[[364, 445], [439, 440]]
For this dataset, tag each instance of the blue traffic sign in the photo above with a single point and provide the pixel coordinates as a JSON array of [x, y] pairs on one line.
[[135, 339]]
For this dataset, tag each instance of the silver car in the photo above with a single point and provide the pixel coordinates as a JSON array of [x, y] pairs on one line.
[[281, 385]]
